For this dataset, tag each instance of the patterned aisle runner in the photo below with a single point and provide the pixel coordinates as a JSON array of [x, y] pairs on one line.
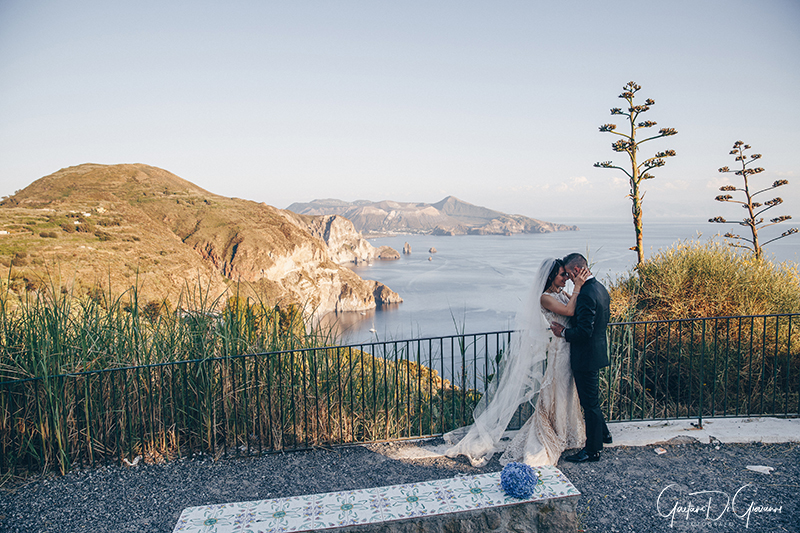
[[367, 506]]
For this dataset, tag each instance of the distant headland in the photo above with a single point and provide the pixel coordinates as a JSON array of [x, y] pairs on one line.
[[449, 216]]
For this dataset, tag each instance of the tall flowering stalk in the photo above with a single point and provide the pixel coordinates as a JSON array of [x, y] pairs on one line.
[[754, 209], [630, 145]]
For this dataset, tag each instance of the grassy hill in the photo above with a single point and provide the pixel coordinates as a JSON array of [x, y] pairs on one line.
[[94, 226]]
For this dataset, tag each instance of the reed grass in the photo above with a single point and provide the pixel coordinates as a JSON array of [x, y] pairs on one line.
[[106, 378]]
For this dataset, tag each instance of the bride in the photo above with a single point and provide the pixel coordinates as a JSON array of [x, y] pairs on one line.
[[535, 367]]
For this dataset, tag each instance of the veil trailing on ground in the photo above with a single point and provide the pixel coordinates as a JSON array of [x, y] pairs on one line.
[[517, 380]]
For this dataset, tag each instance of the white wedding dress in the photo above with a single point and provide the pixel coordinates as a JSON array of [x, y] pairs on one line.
[[537, 369], [557, 423]]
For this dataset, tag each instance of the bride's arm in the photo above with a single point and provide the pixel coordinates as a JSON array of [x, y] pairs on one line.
[[551, 303]]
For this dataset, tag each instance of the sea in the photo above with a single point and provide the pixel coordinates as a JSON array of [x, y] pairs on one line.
[[477, 283]]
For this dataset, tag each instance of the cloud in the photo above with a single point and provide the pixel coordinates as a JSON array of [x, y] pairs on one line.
[[717, 182], [677, 185], [574, 184]]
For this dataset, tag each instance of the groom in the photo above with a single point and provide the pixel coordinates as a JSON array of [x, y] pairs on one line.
[[589, 353]]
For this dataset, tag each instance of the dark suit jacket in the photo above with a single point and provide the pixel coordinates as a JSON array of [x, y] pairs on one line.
[[587, 332]]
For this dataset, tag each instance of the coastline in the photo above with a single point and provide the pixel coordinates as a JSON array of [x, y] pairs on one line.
[[480, 281]]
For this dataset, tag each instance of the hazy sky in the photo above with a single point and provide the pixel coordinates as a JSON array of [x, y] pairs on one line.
[[497, 103]]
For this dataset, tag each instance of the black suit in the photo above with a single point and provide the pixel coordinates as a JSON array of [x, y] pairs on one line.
[[588, 354]]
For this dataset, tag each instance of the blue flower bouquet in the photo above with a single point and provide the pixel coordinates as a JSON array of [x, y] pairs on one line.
[[518, 480]]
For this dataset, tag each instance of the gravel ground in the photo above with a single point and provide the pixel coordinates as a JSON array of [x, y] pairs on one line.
[[619, 493]]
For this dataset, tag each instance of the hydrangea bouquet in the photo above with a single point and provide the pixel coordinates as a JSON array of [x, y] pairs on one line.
[[518, 480]]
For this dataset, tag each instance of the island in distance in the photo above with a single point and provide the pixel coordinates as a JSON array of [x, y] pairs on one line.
[[449, 216]]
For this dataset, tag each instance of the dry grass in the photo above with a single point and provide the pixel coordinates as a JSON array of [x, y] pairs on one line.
[[705, 279]]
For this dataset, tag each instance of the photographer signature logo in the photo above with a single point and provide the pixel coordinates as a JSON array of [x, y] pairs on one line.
[[710, 505]]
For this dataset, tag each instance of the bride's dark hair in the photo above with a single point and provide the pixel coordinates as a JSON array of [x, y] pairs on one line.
[[553, 273]]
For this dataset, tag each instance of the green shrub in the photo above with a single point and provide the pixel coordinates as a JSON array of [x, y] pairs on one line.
[[20, 259], [84, 227], [303, 392], [693, 279]]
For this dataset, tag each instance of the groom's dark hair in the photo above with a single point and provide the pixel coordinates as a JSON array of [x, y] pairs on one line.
[[574, 259]]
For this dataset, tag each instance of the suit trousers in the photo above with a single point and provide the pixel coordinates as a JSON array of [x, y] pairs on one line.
[[588, 385]]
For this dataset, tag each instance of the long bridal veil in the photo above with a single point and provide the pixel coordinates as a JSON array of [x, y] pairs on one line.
[[517, 380]]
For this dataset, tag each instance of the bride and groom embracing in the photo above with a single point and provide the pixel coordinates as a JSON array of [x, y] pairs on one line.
[[554, 359]]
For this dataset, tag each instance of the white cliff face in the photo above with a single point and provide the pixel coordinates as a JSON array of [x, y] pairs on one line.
[[311, 273], [345, 244], [324, 285], [310, 277], [298, 258]]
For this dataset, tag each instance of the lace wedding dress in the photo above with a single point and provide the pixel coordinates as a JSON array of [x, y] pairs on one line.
[[536, 368], [557, 423]]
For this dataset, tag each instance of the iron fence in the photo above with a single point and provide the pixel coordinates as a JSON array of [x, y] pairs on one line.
[[258, 403], [703, 368]]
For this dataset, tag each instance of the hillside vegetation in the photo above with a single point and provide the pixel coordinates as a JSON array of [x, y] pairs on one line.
[[693, 279]]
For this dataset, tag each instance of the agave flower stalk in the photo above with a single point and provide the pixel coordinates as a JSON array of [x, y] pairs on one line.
[[629, 144], [754, 209]]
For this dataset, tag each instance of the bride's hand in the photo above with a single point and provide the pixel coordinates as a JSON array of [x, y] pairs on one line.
[[583, 275]]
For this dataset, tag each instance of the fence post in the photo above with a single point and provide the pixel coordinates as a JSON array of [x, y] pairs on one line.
[[699, 424]]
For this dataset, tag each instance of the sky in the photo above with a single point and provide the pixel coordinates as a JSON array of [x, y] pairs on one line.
[[497, 103]]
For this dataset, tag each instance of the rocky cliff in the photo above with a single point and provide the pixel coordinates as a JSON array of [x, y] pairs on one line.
[[345, 244], [449, 216], [123, 224]]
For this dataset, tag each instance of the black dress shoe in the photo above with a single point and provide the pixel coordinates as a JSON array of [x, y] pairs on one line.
[[582, 457], [607, 439]]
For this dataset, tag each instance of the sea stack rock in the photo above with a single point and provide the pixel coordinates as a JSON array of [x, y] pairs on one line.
[[384, 295], [407, 249], [387, 252]]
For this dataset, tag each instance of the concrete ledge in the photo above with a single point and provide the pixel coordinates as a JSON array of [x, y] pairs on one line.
[[726, 430], [550, 516], [643, 433], [459, 504]]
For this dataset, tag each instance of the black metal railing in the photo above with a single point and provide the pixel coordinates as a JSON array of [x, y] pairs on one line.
[[705, 367], [246, 404], [253, 404]]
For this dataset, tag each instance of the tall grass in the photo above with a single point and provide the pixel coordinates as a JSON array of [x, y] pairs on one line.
[[681, 363], [54, 331], [92, 379], [695, 279]]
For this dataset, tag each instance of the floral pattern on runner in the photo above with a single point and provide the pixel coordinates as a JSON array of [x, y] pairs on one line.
[[366, 506]]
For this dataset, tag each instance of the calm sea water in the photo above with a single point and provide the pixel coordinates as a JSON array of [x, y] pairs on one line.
[[477, 283]]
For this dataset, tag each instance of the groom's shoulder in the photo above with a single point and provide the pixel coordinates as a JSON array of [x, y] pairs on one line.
[[595, 286]]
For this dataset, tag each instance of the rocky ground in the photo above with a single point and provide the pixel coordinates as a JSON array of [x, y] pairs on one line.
[[630, 489]]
